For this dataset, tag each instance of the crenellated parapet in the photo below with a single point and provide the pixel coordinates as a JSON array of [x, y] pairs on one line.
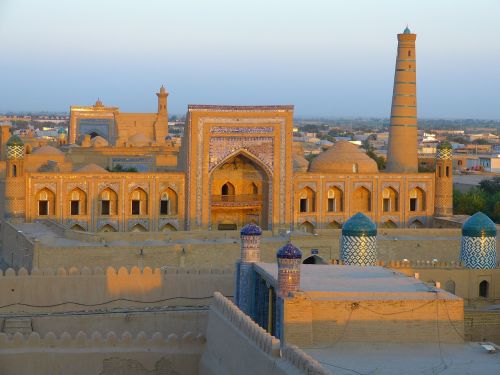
[[303, 361], [100, 341]]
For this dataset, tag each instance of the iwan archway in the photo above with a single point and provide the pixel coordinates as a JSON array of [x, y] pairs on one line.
[[239, 189]]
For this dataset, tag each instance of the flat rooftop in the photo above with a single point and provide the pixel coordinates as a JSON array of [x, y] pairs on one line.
[[341, 282], [346, 358]]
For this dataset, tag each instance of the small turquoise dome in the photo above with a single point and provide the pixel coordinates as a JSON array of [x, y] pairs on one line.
[[251, 230], [444, 145], [15, 140], [62, 131], [407, 30], [359, 225], [479, 225], [289, 252]]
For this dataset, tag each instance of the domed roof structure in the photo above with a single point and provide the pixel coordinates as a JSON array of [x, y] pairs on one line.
[[168, 138], [15, 140], [300, 163], [343, 157], [139, 140], [359, 225], [251, 229], [92, 168], [47, 150], [407, 30], [98, 141], [479, 225], [289, 252], [444, 145], [62, 131]]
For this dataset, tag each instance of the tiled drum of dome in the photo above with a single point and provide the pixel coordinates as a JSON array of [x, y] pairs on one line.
[[358, 243], [478, 247]]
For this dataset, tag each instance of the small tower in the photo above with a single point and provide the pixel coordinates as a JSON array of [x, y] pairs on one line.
[[245, 278], [358, 243], [161, 124], [402, 154], [443, 202], [289, 260], [62, 136], [478, 249], [14, 206], [4, 138]]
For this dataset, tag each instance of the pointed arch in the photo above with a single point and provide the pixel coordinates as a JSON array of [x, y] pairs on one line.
[[107, 228], [228, 189], [307, 227], [252, 189], [168, 228], [307, 200], [168, 202], [138, 228], [390, 200], [46, 200], [78, 228], [362, 200], [449, 286], [334, 225], [389, 224], [138, 202], [247, 154], [417, 224], [484, 289], [77, 202], [108, 200], [314, 259], [335, 200], [417, 199]]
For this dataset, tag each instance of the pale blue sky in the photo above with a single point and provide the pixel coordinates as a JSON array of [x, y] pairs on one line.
[[327, 57]]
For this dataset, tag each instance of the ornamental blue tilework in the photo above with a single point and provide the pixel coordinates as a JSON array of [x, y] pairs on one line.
[[478, 252], [358, 250]]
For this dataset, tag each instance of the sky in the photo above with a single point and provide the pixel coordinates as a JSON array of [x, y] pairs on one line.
[[326, 57]]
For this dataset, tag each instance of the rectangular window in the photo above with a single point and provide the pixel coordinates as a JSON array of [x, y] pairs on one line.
[[105, 205], [439, 171], [331, 205], [136, 207], [387, 204], [303, 205], [413, 204], [75, 207], [163, 207], [43, 208], [447, 171]]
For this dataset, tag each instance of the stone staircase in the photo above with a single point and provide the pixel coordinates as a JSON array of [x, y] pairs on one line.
[[13, 325]]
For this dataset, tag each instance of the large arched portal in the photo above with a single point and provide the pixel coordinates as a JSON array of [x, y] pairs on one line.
[[239, 194]]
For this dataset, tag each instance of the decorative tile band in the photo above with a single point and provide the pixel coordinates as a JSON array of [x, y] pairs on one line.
[[358, 251]]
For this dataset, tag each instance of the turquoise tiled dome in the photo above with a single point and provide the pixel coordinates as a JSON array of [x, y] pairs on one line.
[[15, 140], [62, 131], [407, 30], [251, 230], [359, 225], [289, 252], [479, 225]]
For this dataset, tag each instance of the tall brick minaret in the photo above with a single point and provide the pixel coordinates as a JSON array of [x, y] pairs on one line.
[[402, 154]]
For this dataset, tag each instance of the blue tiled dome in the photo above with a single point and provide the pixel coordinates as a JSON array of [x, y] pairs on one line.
[[359, 225], [62, 131], [479, 225], [15, 140], [407, 30], [168, 138], [289, 252], [251, 230]]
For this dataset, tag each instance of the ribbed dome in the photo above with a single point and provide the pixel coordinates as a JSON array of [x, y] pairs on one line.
[[251, 229], [479, 225], [139, 140], [15, 140], [289, 252], [343, 157], [92, 168], [47, 150], [359, 225], [300, 163]]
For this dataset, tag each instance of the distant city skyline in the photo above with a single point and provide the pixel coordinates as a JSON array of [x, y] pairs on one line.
[[329, 59]]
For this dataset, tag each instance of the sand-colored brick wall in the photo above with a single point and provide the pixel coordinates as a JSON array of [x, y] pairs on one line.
[[359, 320], [482, 325]]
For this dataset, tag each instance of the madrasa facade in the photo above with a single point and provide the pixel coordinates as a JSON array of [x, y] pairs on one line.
[[115, 171]]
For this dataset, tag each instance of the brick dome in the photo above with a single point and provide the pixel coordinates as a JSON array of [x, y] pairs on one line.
[[343, 157]]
